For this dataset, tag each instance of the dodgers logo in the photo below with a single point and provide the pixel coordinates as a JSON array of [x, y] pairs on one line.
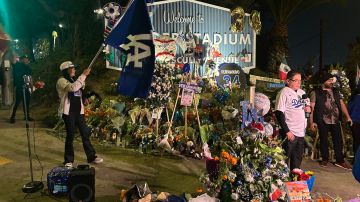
[[296, 103]]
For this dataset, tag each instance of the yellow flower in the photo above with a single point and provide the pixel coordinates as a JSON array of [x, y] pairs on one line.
[[310, 173], [199, 190]]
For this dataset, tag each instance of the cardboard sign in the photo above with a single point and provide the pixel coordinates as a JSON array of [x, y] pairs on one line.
[[298, 191], [6, 63], [190, 87], [156, 113], [186, 97]]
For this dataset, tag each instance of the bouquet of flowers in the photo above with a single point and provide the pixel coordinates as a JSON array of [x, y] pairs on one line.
[[300, 175], [342, 82], [245, 166], [39, 84], [161, 85]]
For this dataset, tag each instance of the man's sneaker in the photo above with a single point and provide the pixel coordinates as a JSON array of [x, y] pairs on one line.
[[97, 160], [12, 120], [323, 164], [69, 165], [344, 165]]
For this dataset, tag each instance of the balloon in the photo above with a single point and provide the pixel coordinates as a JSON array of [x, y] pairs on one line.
[[186, 68], [262, 104], [269, 131]]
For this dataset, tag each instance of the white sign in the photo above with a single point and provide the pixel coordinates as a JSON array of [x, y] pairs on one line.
[[7, 63], [186, 98]]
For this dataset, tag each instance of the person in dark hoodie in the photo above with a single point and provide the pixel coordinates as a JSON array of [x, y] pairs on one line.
[[71, 110]]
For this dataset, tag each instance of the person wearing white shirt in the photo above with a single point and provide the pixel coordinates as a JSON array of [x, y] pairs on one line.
[[71, 109], [290, 113]]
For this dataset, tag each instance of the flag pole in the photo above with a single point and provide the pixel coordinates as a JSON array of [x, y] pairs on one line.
[[97, 55]]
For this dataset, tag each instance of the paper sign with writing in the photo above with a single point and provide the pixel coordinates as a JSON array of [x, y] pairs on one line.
[[156, 113], [186, 97], [190, 87]]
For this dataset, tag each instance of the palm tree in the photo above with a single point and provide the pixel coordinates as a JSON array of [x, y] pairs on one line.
[[283, 11]]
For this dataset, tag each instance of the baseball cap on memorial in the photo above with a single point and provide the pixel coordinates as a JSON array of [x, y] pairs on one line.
[[66, 65]]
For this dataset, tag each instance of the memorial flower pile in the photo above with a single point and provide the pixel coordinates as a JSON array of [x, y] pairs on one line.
[[245, 166]]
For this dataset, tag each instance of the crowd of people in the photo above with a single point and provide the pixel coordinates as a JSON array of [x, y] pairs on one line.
[[326, 110]]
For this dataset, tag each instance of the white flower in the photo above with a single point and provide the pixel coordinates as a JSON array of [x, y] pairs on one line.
[[334, 71], [267, 179], [279, 182], [231, 175], [265, 172], [239, 140], [235, 196], [249, 177], [189, 143]]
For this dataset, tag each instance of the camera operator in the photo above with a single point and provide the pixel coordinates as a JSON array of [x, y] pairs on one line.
[[21, 69]]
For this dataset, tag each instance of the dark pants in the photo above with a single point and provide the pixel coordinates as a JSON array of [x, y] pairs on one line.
[[71, 121], [19, 97], [355, 129], [335, 131], [294, 150]]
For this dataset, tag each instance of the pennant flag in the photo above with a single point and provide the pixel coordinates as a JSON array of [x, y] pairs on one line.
[[109, 25], [283, 70], [132, 34]]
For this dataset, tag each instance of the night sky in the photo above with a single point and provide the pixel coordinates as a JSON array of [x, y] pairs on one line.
[[341, 27]]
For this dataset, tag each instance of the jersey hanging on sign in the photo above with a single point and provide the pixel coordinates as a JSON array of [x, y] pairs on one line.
[[132, 35]]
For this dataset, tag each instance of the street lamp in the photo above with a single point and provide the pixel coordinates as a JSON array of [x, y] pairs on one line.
[[61, 37], [99, 11], [16, 44]]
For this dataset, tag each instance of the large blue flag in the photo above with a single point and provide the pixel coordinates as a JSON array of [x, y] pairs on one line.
[[133, 36]]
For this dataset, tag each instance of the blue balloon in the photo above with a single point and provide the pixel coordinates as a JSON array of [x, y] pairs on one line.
[[186, 68]]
